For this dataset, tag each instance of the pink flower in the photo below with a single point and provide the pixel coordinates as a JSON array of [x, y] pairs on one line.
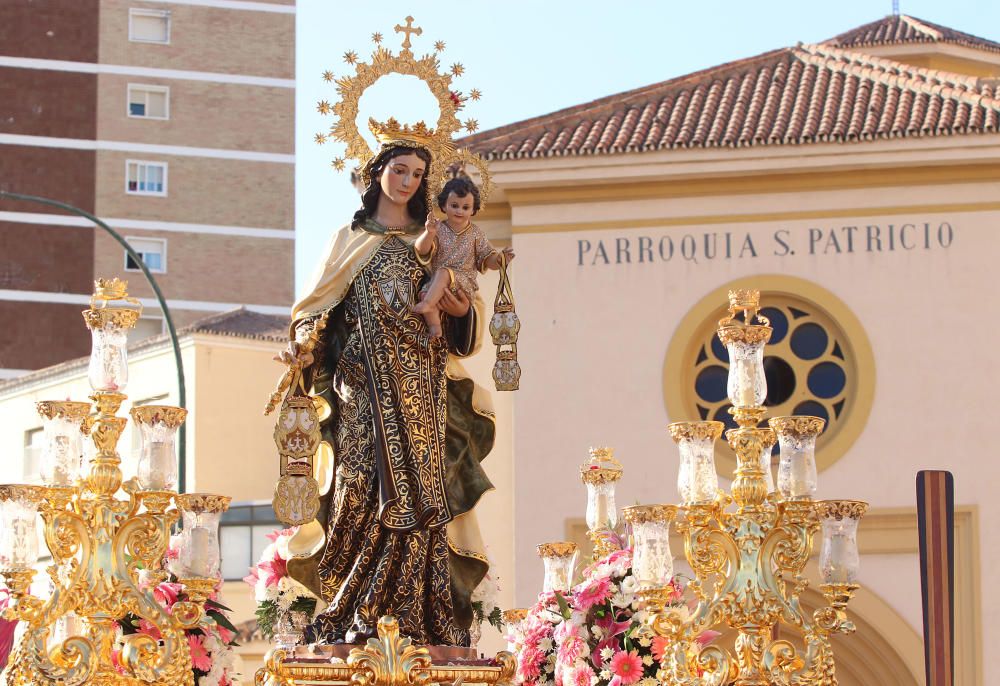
[[200, 659], [529, 664], [627, 668], [251, 579], [582, 676], [225, 635], [706, 637], [276, 534], [659, 647], [570, 650], [273, 571], [148, 628], [166, 594], [593, 593]]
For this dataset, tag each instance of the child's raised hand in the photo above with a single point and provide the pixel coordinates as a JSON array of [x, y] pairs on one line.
[[431, 225], [508, 254]]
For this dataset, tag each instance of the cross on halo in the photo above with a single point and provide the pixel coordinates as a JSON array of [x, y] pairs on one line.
[[408, 29]]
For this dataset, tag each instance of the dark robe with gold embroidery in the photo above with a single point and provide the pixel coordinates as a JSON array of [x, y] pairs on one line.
[[407, 444]]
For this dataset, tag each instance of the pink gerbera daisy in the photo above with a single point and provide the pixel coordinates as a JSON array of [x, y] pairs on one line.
[[594, 593], [582, 676], [200, 659], [627, 668]]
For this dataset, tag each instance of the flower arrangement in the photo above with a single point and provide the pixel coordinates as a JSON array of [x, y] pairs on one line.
[[484, 602], [535, 641], [276, 593], [599, 635], [210, 643]]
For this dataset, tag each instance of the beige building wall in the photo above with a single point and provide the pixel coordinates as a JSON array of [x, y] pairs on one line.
[[223, 40], [593, 346], [201, 114], [227, 269], [228, 145]]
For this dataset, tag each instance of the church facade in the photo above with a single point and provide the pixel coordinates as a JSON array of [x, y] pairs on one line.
[[855, 183]]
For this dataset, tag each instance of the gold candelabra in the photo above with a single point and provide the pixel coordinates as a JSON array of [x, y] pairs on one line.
[[748, 549], [99, 541]]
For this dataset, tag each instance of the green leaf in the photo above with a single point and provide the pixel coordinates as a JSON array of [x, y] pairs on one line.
[[221, 619], [563, 606]]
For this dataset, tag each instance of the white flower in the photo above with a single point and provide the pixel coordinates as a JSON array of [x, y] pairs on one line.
[[645, 641], [620, 600], [605, 675], [545, 645], [607, 654], [597, 632], [647, 660], [640, 616], [630, 585], [649, 681]]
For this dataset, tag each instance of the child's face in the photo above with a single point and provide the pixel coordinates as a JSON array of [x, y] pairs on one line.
[[458, 210]]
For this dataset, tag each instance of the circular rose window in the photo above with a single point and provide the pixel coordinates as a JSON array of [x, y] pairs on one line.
[[818, 362]]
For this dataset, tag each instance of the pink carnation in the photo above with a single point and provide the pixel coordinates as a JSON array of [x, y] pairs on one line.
[[626, 667], [166, 594], [571, 649], [582, 676]]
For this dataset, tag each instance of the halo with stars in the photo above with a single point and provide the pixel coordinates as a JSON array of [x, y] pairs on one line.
[[427, 68]]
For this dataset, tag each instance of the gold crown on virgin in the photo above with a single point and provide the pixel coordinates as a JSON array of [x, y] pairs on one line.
[[438, 140]]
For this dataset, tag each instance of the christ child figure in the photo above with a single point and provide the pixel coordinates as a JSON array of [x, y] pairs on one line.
[[457, 249]]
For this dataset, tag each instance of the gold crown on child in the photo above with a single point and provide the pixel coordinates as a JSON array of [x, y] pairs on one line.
[[438, 141]]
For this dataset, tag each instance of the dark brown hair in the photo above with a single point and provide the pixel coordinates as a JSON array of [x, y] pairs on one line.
[[416, 206], [461, 186]]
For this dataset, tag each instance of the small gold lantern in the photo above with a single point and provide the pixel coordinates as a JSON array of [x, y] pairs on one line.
[[504, 327]]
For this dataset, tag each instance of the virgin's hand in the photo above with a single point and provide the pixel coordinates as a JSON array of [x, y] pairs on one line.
[[293, 354], [455, 304], [508, 254]]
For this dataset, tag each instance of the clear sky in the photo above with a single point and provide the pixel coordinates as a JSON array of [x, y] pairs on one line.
[[534, 57]]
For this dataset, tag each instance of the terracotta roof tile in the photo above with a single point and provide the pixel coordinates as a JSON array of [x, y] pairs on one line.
[[902, 29], [800, 95]]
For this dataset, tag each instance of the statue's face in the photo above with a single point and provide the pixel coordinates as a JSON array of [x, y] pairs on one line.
[[459, 210], [401, 177]]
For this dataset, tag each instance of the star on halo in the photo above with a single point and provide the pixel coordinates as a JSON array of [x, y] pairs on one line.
[[338, 164], [457, 69], [328, 76], [439, 46], [351, 57], [376, 38], [320, 138], [471, 125], [475, 94], [323, 107]]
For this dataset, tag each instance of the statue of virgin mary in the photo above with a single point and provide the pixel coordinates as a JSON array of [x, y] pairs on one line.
[[406, 429]]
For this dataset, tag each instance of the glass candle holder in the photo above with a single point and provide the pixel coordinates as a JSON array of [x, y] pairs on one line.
[[62, 449], [697, 480], [199, 555], [112, 313], [839, 561], [157, 426], [600, 474], [514, 629], [19, 519], [770, 438], [797, 478], [652, 561], [559, 559]]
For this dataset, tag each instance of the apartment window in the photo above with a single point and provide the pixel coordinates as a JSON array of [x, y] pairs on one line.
[[153, 252], [148, 102], [33, 455], [146, 178], [243, 532], [148, 26]]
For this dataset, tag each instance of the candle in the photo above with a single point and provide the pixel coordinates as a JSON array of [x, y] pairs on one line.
[[838, 570], [199, 562], [161, 458]]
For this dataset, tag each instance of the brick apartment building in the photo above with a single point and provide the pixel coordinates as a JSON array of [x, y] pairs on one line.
[[173, 121]]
